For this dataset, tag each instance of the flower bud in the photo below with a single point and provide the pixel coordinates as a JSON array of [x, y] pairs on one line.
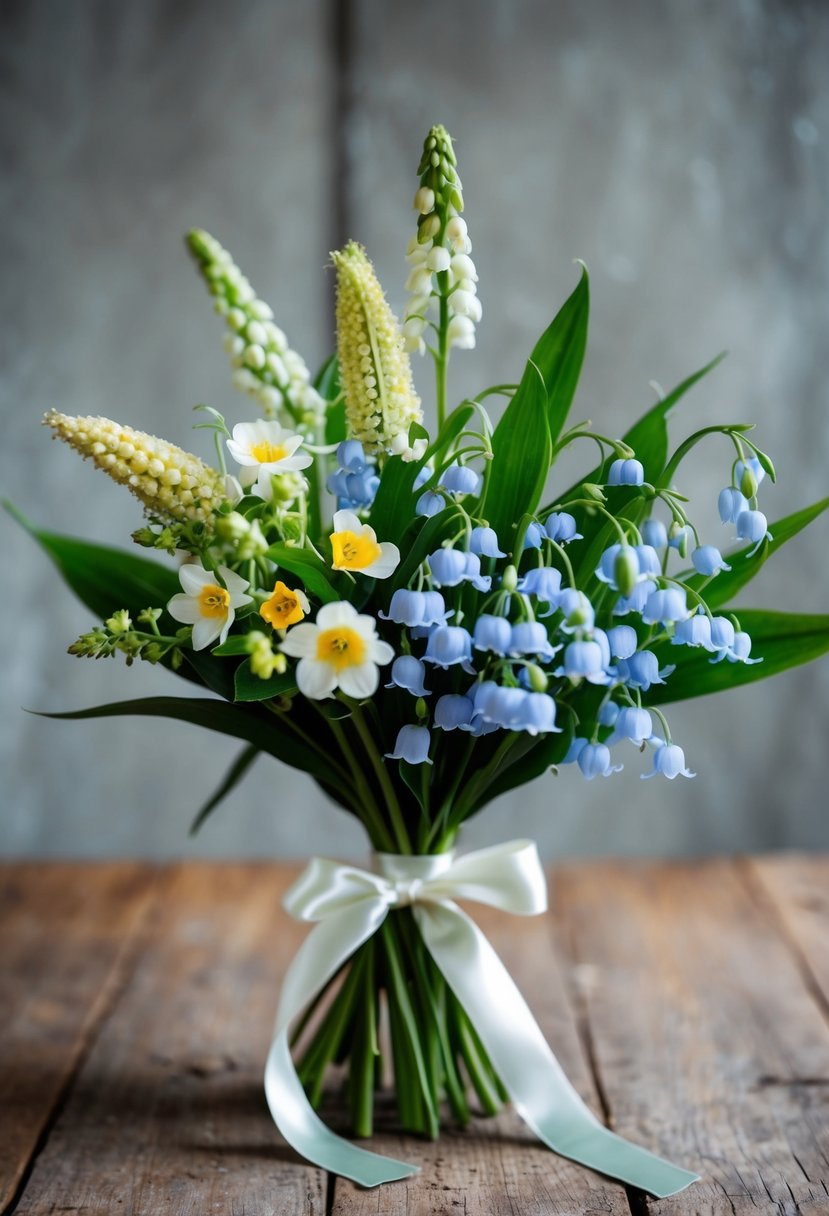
[[626, 570], [509, 579], [537, 678]]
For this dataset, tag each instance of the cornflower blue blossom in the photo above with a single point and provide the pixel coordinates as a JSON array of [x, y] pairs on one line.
[[412, 745], [722, 637], [484, 542], [649, 562], [594, 761], [695, 631], [622, 641], [561, 527], [537, 714], [633, 723], [355, 481], [429, 504], [502, 706], [740, 649], [654, 533], [707, 560], [472, 573], [669, 760], [577, 743], [576, 610], [608, 714], [731, 504], [409, 673], [460, 479], [448, 645], [603, 642], [447, 567], [583, 661], [416, 608], [753, 526], [492, 633], [544, 583], [529, 637], [626, 473], [533, 536], [665, 606], [453, 711], [636, 601], [642, 670]]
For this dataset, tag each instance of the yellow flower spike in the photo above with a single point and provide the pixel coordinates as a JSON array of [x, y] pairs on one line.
[[166, 479], [285, 607], [375, 370]]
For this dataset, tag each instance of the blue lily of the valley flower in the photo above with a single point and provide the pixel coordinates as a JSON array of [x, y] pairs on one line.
[[731, 504], [576, 610], [537, 715], [533, 536], [626, 473], [669, 760], [561, 527], [429, 504], [740, 649], [642, 669], [412, 745], [501, 706], [484, 542], [351, 456], [449, 645], [633, 723], [408, 672], [695, 631], [453, 711], [753, 526], [544, 583], [447, 567], [529, 637], [708, 560], [654, 533], [755, 472], [583, 661], [637, 599], [415, 608], [665, 606], [574, 750], [472, 573], [608, 713], [594, 761], [492, 633], [459, 479], [622, 641], [681, 537]]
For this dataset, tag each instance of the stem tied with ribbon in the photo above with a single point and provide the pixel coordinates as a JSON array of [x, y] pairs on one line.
[[349, 906]]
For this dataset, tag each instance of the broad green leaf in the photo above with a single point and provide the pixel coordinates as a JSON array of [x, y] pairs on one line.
[[231, 779], [327, 384], [393, 508], [315, 575], [781, 639], [559, 354], [236, 645], [521, 456], [649, 436], [727, 583], [249, 687]]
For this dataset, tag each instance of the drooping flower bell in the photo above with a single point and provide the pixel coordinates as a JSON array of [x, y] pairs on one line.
[[594, 761], [412, 745], [408, 672], [626, 473], [560, 526], [669, 760], [707, 560]]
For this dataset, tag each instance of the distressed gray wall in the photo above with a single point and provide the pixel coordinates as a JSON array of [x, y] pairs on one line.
[[679, 148]]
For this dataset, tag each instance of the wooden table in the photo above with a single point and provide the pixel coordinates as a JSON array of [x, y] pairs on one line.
[[689, 1004]]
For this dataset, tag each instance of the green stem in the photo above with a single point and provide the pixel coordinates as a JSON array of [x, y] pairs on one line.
[[442, 356], [393, 806], [368, 806]]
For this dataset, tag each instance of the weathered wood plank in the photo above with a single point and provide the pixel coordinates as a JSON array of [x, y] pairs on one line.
[[496, 1167], [703, 1032], [168, 1114], [67, 940], [798, 885]]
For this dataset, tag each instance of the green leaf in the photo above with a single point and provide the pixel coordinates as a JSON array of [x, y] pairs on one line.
[[232, 778], [530, 759], [393, 508], [781, 639], [450, 430], [559, 354], [649, 436], [521, 455], [316, 576], [249, 687], [327, 384], [743, 568], [236, 644]]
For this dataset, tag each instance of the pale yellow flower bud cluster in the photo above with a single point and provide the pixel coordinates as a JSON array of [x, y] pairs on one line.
[[375, 371], [264, 365], [167, 480]]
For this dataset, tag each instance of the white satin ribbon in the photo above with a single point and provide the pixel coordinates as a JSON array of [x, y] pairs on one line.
[[349, 905]]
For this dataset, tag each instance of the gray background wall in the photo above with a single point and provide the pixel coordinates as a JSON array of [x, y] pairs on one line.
[[680, 148]]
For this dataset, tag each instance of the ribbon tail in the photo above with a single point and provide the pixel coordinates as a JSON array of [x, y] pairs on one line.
[[330, 944], [533, 1077]]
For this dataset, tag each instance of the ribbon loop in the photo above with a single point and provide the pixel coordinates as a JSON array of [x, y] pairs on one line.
[[350, 904]]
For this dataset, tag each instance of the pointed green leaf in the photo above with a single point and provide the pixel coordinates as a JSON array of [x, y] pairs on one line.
[[393, 508], [236, 645], [249, 687], [521, 456], [559, 354], [232, 778], [743, 568], [781, 639]]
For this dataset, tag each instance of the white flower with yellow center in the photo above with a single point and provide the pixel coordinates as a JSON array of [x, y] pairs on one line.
[[356, 547], [263, 449], [207, 605], [341, 650]]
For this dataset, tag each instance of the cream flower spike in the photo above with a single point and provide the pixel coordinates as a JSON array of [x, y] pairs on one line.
[[166, 479], [375, 371], [356, 547]]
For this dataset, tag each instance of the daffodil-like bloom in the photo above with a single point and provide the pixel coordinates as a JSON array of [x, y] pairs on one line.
[[341, 650], [167, 480], [265, 449], [356, 547], [264, 365], [206, 604], [285, 606], [376, 374]]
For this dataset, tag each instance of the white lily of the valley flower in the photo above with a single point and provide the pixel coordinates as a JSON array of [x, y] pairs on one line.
[[206, 605], [356, 547], [340, 650], [407, 452], [265, 447]]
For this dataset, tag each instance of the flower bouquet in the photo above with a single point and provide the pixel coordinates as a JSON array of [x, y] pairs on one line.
[[420, 625]]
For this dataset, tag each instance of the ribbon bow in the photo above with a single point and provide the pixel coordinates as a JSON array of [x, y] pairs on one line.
[[349, 905]]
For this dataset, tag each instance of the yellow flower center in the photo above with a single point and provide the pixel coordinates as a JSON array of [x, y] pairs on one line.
[[214, 601], [353, 552], [341, 647], [268, 453], [282, 609]]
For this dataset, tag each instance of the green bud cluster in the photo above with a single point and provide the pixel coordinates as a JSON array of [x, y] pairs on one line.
[[440, 185], [118, 634]]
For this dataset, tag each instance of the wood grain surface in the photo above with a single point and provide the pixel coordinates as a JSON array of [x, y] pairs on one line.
[[687, 1003]]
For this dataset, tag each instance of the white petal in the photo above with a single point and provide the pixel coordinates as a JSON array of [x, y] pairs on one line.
[[234, 582], [248, 474], [347, 521], [238, 600], [339, 613], [206, 630], [302, 600], [231, 617], [193, 577], [380, 652], [184, 608], [239, 453], [292, 464], [315, 680], [360, 681], [386, 563], [301, 641]]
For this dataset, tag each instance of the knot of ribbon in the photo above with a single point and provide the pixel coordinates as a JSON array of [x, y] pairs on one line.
[[348, 905]]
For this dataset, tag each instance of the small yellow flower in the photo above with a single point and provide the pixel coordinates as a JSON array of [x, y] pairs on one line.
[[355, 547], [285, 607]]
